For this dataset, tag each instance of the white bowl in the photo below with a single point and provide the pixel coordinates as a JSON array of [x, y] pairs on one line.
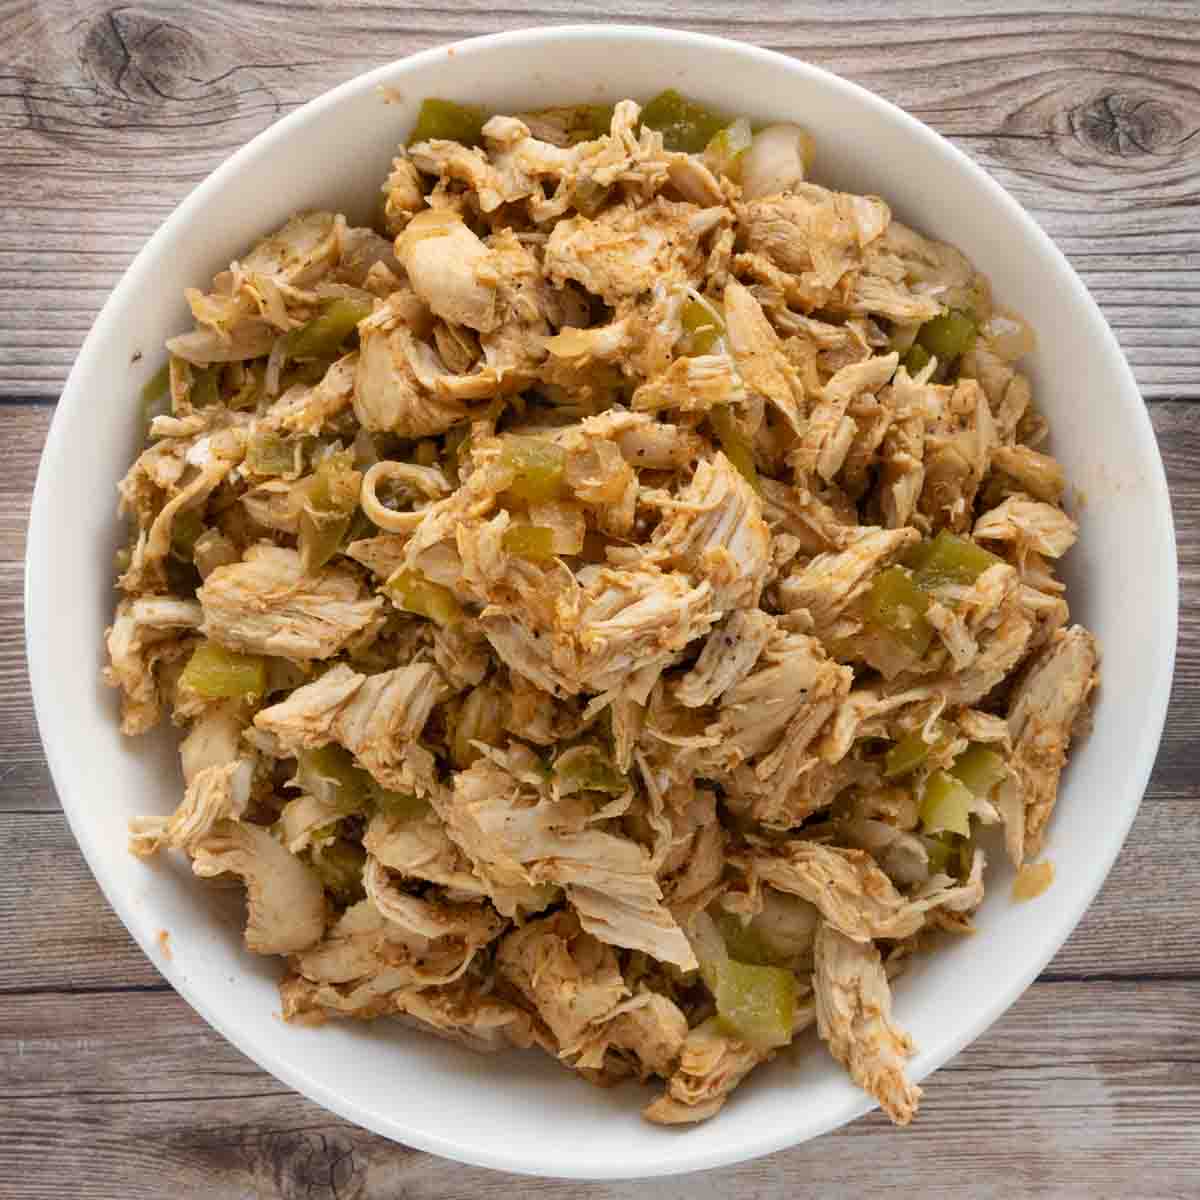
[[523, 1112]]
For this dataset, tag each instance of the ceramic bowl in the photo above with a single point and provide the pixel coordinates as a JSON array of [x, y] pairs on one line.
[[522, 1112]]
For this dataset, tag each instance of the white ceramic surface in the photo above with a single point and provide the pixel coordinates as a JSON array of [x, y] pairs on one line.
[[521, 1112]]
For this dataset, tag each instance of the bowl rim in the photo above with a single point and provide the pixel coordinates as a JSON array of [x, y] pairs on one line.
[[38, 553]]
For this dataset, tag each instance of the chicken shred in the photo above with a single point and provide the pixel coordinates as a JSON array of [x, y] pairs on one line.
[[574, 591]]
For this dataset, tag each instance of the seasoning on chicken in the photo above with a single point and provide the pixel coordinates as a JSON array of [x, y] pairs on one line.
[[605, 602]]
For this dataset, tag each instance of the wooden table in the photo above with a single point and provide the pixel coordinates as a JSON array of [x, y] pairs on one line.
[[1088, 112]]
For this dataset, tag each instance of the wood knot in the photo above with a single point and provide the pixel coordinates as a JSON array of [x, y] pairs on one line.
[[142, 59], [312, 1166], [1127, 126]]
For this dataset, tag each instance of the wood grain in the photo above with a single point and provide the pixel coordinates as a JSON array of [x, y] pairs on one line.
[[1048, 1102], [1087, 112]]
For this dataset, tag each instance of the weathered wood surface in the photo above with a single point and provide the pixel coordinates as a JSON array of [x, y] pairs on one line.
[[109, 1084], [110, 114]]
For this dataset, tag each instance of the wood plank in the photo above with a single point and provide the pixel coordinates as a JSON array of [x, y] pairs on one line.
[[112, 115], [1075, 1092]]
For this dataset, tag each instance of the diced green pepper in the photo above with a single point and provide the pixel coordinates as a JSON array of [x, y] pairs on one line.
[[216, 673], [917, 358], [339, 866], [950, 335], [594, 121], [703, 329], [156, 396], [586, 769], [185, 532], [735, 444], [538, 467], [943, 854], [724, 152], [402, 806], [331, 774], [979, 768], [743, 942], [756, 1004], [269, 454], [535, 542], [906, 755], [206, 387], [948, 558], [323, 335], [946, 806], [896, 606], [411, 592], [455, 448], [448, 121], [590, 197], [684, 124], [327, 500]]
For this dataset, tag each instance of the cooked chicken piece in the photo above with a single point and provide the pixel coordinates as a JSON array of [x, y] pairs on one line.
[[1030, 525], [1035, 473], [625, 251], [214, 738], [474, 923], [830, 583], [464, 1012], [420, 848], [695, 383], [711, 1064], [515, 835], [266, 604], [902, 471], [218, 793], [715, 531], [760, 357], [851, 892], [854, 1018], [773, 714], [364, 948], [301, 252], [649, 1027], [1042, 714], [307, 410], [285, 903], [634, 620], [620, 623], [449, 268], [729, 655], [376, 717], [144, 633], [797, 512], [960, 436], [389, 393], [461, 654], [382, 555], [1008, 391], [803, 786], [572, 979], [215, 456], [816, 236], [829, 433]]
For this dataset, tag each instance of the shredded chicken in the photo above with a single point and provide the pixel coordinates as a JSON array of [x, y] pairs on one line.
[[603, 602]]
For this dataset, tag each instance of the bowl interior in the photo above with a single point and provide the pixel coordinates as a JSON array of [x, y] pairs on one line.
[[523, 1112]]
